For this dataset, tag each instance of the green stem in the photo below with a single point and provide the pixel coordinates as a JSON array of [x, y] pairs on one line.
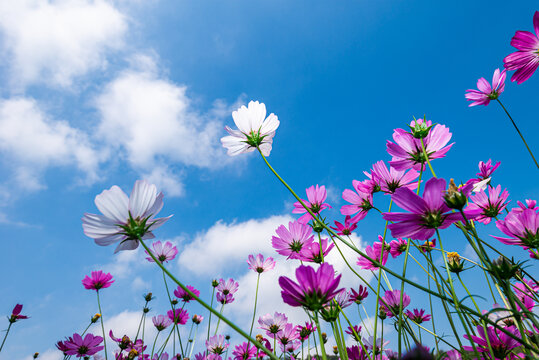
[[254, 311], [153, 347], [427, 157], [102, 326], [219, 320], [5, 337], [209, 318], [322, 347]]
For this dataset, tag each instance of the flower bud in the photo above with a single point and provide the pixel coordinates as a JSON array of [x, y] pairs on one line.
[[454, 198], [95, 318], [503, 268], [335, 350], [146, 310], [420, 128], [454, 262], [36, 355], [324, 337], [148, 297], [214, 283], [330, 312]]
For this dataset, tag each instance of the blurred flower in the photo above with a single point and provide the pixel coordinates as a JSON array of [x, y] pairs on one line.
[[369, 344], [500, 343], [80, 347], [99, 280], [526, 60], [161, 322], [224, 299], [315, 288], [272, 324], [178, 316], [291, 241], [216, 344], [180, 293], [418, 316], [163, 253], [311, 252], [241, 352], [356, 353], [419, 352], [197, 319], [287, 334], [345, 229], [392, 179], [454, 262], [357, 330], [344, 299], [360, 295], [391, 301], [260, 265], [316, 195], [254, 130], [375, 253], [16, 314], [485, 91], [305, 331], [125, 219], [397, 247]]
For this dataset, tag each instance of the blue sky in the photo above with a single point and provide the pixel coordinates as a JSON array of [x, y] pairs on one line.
[[97, 93]]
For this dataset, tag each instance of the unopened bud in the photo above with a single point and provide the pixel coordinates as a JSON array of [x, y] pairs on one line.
[[335, 350], [36, 355], [95, 318], [148, 297], [454, 198], [454, 262]]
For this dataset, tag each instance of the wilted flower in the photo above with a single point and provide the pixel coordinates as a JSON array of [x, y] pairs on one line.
[[526, 60], [485, 91], [125, 219], [291, 241], [316, 195], [163, 253], [260, 265], [98, 280]]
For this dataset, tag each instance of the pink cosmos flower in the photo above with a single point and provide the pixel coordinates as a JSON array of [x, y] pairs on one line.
[[390, 302], [530, 204], [397, 247], [500, 343], [178, 316], [184, 295], [228, 287], [314, 288], [254, 130], [224, 299], [273, 324], [125, 219], [418, 316], [375, 253], [355, 352], [311, 253], [427, 213], [407, 152], [16, 314], [485, 91], [291, 241], [260, 265], [361, 202], [316, 195], [345, 229], [522, 227], [80, 347], [357, 329], [392, 179], [163, 253], [216, 344], [305, 331], [244, 351], [360, 295], [287, 335], [489, 206], [161, 322], [486, 169], [290, 347], [99, 280], [526, 60], [344, 299]]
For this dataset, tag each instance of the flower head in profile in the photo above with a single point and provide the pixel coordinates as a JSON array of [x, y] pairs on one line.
[[316, 197], [354, 332], [83, 347], [489, 206], [224, 298], [374, 252], [288, 334], [98, 280], [180, 293], [163, 252], [197, 319], [311, 253], [486, 92], [418, 316], [397, 247], [254, 130], [486, 169], [125, 219], [391, 301], [273, 324], [360, 202], [305, 331], [260, 265], [522, 226], [290, 242], [16, 314], [244, 351], [161, 322], [216, 344], [526, 60], [359, 295], [227, 287], [346, 228], [314, 288], [500, 343], [392, 179]]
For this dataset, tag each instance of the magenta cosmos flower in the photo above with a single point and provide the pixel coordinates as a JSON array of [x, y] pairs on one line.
[[427, 213], [526, 60], [486, 169], [487, 92], [407, 152], [489, 206], [346, 228], [316, 195], [184, 295], [125, 219], [98, 280], [228, 287], [291, 241], [311, 253], [88, 346], [361, 202], [375, 253], [178, 316], [260, 265], [392, 179], [254, 130], [315, 288], [390, 302], [244, 351], [418, 316], [16, 314], [500, 343], [163, 252], [360, 295], [522, 226], [397, 247]]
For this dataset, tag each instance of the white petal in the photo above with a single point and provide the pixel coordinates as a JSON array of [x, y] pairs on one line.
[[265, 148], [107, 240], [127, 245], [481, 185], [157, 206], [235, 146], [159, 221], [257, 114], [142, 198], [236, 133], [113, 203], [98, 226], [241, 119], [270, 125]]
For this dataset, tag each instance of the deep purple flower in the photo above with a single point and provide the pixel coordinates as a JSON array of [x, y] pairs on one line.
[[125, 219], [60, 345], [407, 152], [227, 287], [315, 288], [178, 316], [489, 206], [427, 213], [356, 353], [526, 60], [418, 316], [161, 322], [291, 241], [500, 342], [375, 253], [99, 280], [392, 179], [241, 352], [184, 295], [485, 91], [418, 353], [486, 169], [357, 329], [360, 295], [216, 344], [390, 302], [16, 314], [273, 324], [397, 247], [361, 202], [347, 228], [224, 299], [522, 227], [260, 265], [311, 252], [88, 346], [163, 253], [316, 195]]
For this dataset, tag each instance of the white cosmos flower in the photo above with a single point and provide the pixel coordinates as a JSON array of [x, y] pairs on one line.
[[124, 218], [254, 129]]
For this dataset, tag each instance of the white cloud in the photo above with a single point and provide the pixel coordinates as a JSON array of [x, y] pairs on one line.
[[53, 42], [31, 141]]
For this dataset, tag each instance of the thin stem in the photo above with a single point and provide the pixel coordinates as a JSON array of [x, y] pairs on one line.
[[322, 347], [102, 326], [5, 337], [254, 311], [427, 157]]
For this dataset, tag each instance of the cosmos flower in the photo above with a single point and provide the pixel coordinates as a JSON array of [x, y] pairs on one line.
[[487, 169], [375, 253], [244, 351], [287, 335], [291, 241], [361, 202], [392, 179], [178, 316], [227, 287], [197, 319], [216, 344], [80, 347], [397, 247], [125, 219], [315, 288], [305, 331], [161, 322], [526, 60], [184, 295], [356, 353], [224, 298], [316, 197], [16, 314], [163, 253], [500, 343], [259, 265], [390, 302], [360, 295], [273, 324], [98, 280], [522, 227], [489, 206], [345, 229], [418, 315], [311, 253], [254, 129], [357, 329], [485, 91]]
